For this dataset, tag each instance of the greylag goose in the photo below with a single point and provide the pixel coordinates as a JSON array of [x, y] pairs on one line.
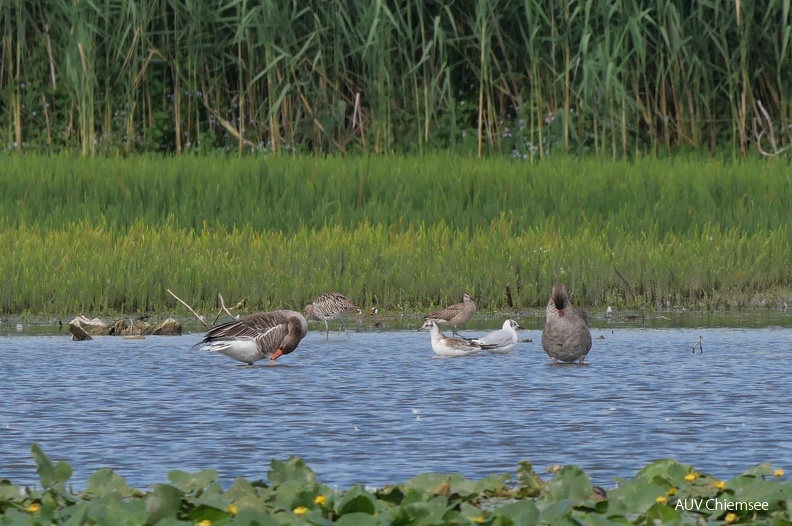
[[500, 341], [455, 314], [257, 336], [330, 306], [566, 336], [442, 345]]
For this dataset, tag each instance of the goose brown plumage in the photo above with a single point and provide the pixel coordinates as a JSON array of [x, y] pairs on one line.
[[566, 336], [258, 336]]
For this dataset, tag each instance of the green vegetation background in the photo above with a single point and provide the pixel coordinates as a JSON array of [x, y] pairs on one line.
[[108, 235], [527, 77]]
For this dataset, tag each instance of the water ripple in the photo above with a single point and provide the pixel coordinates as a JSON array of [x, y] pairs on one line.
[[378, 408]]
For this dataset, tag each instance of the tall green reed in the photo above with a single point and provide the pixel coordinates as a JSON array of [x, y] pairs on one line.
[[620, 79]]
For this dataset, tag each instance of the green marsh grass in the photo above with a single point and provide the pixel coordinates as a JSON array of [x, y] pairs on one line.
[[112, 235], [656, 196]]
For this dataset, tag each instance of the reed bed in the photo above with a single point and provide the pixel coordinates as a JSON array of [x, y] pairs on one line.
[[528, 77]]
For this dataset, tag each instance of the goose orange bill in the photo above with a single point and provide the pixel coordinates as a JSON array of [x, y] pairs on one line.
[[278, 353]]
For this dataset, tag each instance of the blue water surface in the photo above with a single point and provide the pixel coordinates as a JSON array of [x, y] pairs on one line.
[[379, 408]]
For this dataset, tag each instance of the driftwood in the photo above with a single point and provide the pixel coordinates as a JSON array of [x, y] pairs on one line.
[[223, 309], [83, 328], [78, 331]]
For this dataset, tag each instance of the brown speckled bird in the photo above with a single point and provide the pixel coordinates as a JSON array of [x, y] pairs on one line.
[[456, 314], [331, 306]]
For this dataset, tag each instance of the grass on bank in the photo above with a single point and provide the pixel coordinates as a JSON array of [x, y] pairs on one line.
[[112, 235], [94, 269], [665, 492], [657, 196]]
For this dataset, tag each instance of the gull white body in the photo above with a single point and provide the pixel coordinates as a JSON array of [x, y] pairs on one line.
[[442, 345], [500, 341]]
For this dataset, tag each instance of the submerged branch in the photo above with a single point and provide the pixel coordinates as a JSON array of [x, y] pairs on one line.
[[200, 318]]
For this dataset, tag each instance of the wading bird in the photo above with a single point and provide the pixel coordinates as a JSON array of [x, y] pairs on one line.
[[500, 341], [331, 306], [566, 336], [442, 345], [456, 314], [257, 336]]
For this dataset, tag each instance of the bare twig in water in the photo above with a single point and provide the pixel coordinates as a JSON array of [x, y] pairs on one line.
[[200, 318], [227, 311], [701, 349]]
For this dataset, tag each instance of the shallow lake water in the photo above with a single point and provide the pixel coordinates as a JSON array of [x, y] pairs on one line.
[[379, 408]]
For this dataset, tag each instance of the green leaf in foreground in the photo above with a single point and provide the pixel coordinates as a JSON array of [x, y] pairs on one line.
[[192, 482], [105, 481], [293, 469], [520, 513], [163, 502], [661, 493], [52, 474], [357, 500]]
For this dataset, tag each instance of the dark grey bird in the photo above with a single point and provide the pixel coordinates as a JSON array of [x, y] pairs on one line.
[[566, 336], [258, 336]]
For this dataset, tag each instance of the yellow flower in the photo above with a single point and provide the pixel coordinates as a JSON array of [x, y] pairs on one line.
[[479, 519], [731, 517], [233, 510], [690, 477], [671, 492], [720, 484], [778, 473], [300, 510], [33, 508], [320, 500], [205, 522], [661, 500]]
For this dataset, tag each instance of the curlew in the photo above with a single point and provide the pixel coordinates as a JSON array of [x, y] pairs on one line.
[[331, 306]]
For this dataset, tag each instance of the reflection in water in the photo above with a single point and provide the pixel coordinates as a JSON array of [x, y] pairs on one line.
[[378, 408]]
